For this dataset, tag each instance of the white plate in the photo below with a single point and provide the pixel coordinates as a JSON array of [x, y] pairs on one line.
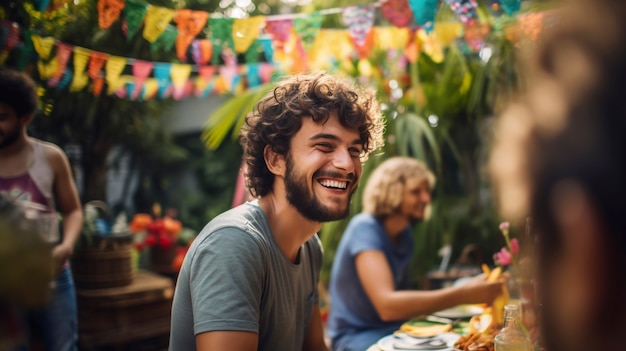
[[387, 343], [460, 312]]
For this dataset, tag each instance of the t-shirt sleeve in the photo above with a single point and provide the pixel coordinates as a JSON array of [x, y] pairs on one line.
[[363, 236], [226, 282]]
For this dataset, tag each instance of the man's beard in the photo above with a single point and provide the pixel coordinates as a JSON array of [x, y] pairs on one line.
[[9, 138], [306, 203]]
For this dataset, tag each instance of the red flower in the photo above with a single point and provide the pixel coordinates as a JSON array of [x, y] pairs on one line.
[[162, 231], [514, 246]]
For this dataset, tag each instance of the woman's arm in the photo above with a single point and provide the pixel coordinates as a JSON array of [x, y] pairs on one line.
[[376, 276]]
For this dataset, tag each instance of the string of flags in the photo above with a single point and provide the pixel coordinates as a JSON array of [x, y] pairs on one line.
[[209, 47]]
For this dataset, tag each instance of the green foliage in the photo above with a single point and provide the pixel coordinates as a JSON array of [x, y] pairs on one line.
[[230, 116], [445, 85]]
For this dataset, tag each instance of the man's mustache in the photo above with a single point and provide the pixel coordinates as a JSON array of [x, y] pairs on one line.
[[330, 174]]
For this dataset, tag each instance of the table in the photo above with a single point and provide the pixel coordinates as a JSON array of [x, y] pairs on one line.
[[118, 316]]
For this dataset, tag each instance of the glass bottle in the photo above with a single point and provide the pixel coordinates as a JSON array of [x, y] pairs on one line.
[[512, 336]]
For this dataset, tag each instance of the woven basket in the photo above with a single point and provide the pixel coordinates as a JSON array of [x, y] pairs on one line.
[[108, 264], [162, 260]]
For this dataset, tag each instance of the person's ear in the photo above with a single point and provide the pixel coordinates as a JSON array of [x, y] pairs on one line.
[[26, 119], [274, 161], [583, 245]]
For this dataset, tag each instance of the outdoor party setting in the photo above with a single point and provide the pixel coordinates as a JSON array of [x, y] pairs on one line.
[[310, 174]]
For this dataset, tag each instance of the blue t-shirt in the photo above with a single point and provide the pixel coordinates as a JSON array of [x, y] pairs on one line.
[[353, 323]]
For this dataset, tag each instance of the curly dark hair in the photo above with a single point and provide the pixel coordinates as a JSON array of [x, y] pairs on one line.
[[278, 116], [19, 91]]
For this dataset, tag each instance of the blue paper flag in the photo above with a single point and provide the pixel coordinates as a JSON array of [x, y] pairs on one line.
[[511, 6], [424, 12]]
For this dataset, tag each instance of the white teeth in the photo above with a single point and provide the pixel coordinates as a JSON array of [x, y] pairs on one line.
[[334, 184]]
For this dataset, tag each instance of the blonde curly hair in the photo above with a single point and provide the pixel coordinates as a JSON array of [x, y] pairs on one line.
[[387, 184]]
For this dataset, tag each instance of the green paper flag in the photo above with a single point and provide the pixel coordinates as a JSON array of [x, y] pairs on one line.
[[26, 51], [134, 13], [166, 40], [307, 28], [221, 36], [252, 54]]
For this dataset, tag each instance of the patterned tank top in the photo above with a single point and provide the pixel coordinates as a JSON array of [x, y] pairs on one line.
[[33, 190]]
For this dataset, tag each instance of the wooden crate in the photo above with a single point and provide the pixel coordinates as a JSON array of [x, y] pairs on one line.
[[119, 316]]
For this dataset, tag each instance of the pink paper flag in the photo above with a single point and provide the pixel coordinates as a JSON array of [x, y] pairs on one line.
[[63, 55], [398, 12], [279, 30], [141, 71]]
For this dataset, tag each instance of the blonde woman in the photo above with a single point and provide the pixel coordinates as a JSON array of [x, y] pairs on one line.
[[369, 286]]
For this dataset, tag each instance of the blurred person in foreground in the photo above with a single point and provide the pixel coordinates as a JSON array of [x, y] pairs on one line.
[[560, 156], [37, 175], [249, 280], [26, 271], [369, 285]]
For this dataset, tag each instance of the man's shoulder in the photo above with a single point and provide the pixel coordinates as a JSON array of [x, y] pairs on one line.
[[46, 145], [246, 218], [240, 216], [53, 152]]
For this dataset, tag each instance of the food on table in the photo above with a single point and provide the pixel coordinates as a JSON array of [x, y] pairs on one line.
[[425, 330], [483, 323], [497, 306], [475, 342]]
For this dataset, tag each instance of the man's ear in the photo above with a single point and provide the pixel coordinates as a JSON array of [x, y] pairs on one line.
[[26, 119], [274, 161]]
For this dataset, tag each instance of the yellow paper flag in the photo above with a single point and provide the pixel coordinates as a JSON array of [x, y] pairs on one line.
[[156, 20], [80, 79], [114, 67], [150, 88], [48, 69], [387, 38], [329, 43], [430, 45], [245, 32], [180, 74], [447, 32], [43, 46]]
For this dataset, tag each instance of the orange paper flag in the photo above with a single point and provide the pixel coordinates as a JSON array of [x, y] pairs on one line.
[[189, 23], [108, 12]]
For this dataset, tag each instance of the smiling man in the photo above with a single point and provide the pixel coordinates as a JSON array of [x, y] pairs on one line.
[[249, 280], [369, 285]]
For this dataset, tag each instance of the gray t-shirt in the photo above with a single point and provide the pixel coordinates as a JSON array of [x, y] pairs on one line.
[[235, 277]]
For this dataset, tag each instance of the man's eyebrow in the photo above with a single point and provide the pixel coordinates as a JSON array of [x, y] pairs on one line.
[[356, 141]]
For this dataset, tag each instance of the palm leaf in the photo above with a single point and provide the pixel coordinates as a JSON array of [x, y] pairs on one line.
[[415, 137], [230, 116]]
